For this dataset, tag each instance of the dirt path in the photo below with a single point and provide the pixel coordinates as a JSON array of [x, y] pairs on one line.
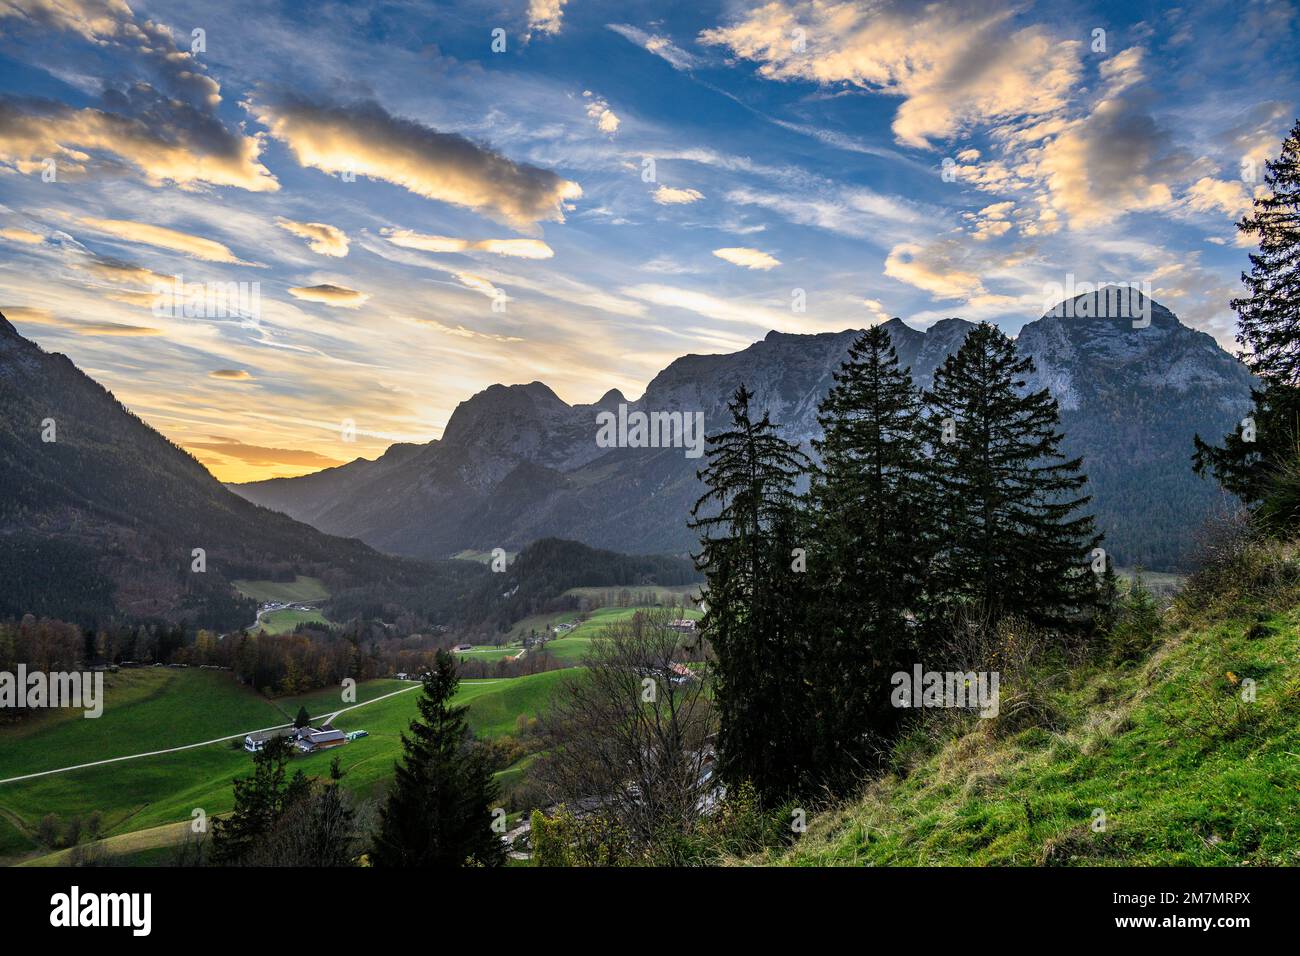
[[205, 743]]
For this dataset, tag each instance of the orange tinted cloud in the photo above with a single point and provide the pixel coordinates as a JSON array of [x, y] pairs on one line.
[[194, 246], [335, 295], [367, 140], [321, 237]]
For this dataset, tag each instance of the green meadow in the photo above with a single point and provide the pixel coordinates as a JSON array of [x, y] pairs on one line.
[[286, 620], [302, 590], [576, 644], [151, 710], [142, 801]]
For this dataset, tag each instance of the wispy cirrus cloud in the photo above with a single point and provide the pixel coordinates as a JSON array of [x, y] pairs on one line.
[[660, 46], [196, 247], [25, 236], [338, 296], [518, 248], [36, 316], [261, 454]]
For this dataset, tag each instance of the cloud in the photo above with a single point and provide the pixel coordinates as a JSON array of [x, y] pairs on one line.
[[169, 143], [111, 23], [1230, 196], [195, 247], [479, 284], [25, 236], [929, 268], [992, 221], [335, 295], [518, 248], [953, 64], [461, 332], [860, 213], [156, 116], [28, 316], [545, 16], [877, 310], [367, 140], [714, 307], [599, 111], [120, 271], [748, 258], [262, 455], [231, 375], [670, 196], [660, 46], [1117, 159], [322, 238]]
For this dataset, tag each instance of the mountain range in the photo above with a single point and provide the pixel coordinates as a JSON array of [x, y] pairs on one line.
[[100, 517], [516, 463]]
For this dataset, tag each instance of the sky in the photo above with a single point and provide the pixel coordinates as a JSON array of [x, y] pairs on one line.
[[389, 207]]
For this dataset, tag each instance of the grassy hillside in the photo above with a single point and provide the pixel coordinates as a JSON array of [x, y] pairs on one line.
[[660, 593], [302, 590], [159, 708], [287, 620], [1186, 772], [574, 646], [146, 709]]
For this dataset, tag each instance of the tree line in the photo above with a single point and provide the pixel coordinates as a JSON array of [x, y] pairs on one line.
[[925, 509]]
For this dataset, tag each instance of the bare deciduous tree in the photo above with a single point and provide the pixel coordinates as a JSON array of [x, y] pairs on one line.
[[629, 740]]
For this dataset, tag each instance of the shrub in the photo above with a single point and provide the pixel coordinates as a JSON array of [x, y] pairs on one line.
[[1137, 623]]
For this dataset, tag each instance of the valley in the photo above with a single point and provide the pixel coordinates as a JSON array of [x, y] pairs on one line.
[[171, 739], [150, 710]]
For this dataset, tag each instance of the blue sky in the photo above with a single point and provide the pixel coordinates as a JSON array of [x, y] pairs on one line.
[[424, 215]]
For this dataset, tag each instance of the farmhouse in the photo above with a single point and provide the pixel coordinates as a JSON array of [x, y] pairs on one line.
[[681, 673], [309, 739], [255, 742], [684, 625]]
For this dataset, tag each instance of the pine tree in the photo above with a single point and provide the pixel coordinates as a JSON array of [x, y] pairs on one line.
[[303, 719], [1263, 452], [1012, 543], [755, 602], [261, 802], [867, 505], [439, 810]]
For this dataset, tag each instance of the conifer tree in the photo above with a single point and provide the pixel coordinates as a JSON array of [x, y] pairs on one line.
[[1007, 500], [1264, 451], [869, 552], [261, 802], [755, 601], [439, 809]]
